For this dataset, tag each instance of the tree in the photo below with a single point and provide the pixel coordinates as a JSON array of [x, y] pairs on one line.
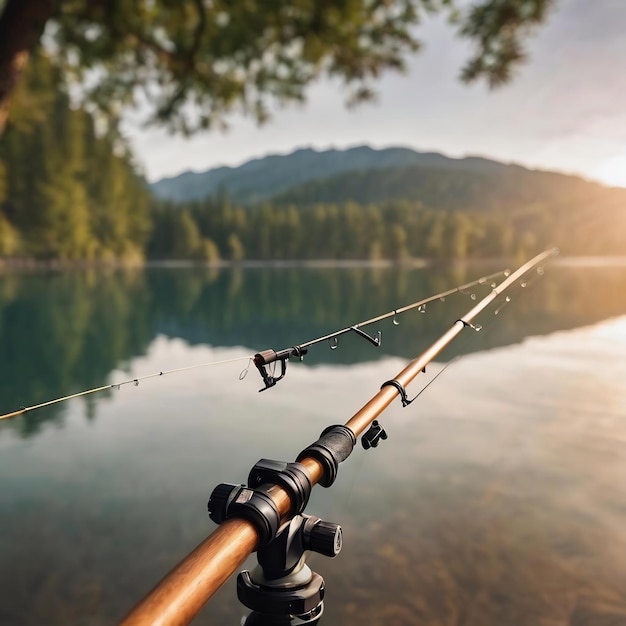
[[208, 251], [65, 192], [219, 56], [8, 238], [186, 236], [235, 247]]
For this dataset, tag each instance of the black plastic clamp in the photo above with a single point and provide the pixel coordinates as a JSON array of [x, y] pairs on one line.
[[253, 502], [292, 477], [373, 436], [334, 445], [254, 505]]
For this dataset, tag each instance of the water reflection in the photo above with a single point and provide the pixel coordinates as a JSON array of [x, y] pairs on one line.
[[498, 498], [64, 332]]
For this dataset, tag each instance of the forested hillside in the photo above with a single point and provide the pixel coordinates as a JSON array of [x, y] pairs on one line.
[[494, 189], [400, 213], [397, 230], [69, 193], [65, 192], [393, 203]]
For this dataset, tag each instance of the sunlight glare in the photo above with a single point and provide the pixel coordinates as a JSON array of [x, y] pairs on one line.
[[612, 171]]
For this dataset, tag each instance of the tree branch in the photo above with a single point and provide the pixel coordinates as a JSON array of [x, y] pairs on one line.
[[21, 26]]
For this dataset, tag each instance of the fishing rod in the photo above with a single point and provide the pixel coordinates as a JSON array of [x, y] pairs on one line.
[[265, 358], [267, 514]]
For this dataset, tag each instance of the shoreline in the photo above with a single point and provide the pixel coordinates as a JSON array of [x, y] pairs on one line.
[[26, 265]]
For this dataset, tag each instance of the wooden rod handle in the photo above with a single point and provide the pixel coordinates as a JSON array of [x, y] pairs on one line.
[[183, 592]]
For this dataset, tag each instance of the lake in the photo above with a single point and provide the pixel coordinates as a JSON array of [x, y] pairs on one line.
[[499, 497]]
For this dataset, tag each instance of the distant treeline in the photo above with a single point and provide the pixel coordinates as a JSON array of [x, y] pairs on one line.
[[397, 230], [69, 193]]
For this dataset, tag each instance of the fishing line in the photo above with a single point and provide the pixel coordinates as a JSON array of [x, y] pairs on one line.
[[436, 376], [263, 360], [420, 305], [134, 381], [271, 357]]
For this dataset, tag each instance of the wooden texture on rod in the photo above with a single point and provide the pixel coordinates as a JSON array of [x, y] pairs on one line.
[[183, 592]]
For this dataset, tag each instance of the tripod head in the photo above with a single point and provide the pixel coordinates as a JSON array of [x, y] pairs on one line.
[[282, 589]]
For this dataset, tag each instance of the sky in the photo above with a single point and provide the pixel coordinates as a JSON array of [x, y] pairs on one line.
[[565, 109]]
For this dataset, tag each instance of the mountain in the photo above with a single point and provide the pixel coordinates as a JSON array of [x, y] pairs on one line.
[[492, 188], [264, 178], [363, 203]]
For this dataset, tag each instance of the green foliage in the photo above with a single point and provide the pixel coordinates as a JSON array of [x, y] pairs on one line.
[[394, 229], [66, 193], [235, 248], [9, 243], [208, 251], [186, 236], [3, 182], [500, 27], [450, 186], [193, 62]]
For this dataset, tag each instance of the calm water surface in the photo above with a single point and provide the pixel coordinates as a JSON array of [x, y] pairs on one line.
[[499, 497]]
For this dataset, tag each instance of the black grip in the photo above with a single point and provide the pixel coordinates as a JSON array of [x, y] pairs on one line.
[[334, 446]]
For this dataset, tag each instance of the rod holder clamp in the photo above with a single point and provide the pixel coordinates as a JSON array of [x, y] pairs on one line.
[[292, 477], [254, 505]]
